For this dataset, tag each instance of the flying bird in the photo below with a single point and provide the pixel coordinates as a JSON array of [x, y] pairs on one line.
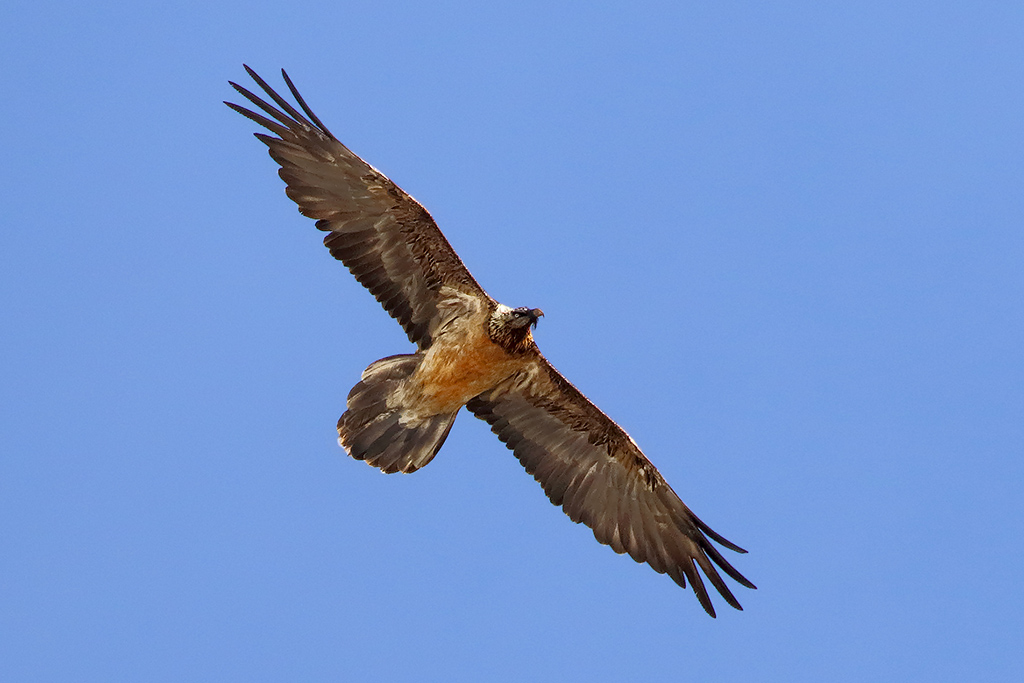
[[475, 352]]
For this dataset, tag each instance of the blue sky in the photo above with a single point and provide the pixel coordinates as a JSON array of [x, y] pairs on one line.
[[780, 243]]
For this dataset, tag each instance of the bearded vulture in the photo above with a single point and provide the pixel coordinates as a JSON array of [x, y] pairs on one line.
[[475, 352]]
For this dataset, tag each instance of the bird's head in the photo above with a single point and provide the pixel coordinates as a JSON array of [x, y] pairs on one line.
[[510, 327], [523, 317]]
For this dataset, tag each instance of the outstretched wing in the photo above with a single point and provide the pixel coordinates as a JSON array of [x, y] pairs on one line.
[[384, 236], [593, 469]]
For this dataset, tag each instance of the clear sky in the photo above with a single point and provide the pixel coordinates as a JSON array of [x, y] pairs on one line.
[[780, 243]]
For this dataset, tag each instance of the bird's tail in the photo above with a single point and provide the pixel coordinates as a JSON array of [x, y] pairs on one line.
[[375, 428]]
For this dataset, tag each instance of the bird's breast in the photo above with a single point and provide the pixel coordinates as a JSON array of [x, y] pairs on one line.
[[458, 366]]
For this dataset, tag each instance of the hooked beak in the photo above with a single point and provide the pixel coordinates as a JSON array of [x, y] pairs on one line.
[[535, 315]]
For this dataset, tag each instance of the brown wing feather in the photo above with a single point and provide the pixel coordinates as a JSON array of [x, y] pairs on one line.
[[589, 465], [384, 236]]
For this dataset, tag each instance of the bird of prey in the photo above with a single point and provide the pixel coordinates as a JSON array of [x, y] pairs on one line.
[[475, 352]]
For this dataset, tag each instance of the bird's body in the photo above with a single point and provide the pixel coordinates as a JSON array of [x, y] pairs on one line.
[[473, 352]]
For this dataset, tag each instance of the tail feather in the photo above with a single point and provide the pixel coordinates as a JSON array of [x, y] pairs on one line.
[[375, 428]]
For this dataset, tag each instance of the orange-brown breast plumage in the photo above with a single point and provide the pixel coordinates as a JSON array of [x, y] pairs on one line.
[[459, 366]]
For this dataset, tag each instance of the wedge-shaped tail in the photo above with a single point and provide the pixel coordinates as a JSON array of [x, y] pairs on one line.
[[376, 428]]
